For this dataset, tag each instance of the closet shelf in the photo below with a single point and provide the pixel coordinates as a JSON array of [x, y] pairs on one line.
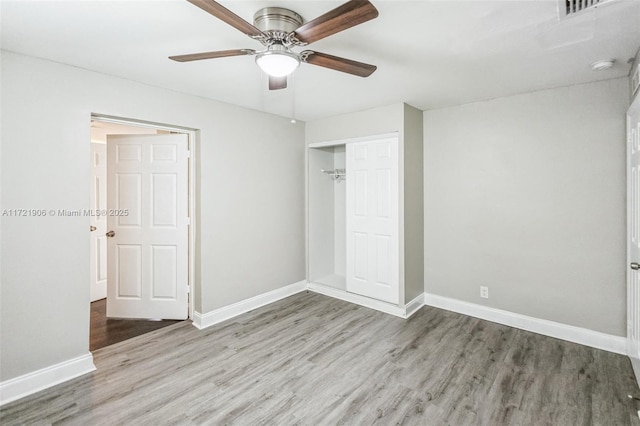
[[339, 175]]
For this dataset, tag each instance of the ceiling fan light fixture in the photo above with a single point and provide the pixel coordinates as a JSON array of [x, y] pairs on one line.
[[277, 62], [280, 29]]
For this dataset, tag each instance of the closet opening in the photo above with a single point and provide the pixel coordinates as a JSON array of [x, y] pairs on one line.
[[353, 219], [327, 216]]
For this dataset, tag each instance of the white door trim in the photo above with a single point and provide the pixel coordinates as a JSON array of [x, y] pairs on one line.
[[98, 195], [351, 140], [633, 298], [192, 161]]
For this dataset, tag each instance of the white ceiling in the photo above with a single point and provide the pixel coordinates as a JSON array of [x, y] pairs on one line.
[[430, 54]]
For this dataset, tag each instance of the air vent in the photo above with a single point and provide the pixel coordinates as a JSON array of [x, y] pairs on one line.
[[572, 7]]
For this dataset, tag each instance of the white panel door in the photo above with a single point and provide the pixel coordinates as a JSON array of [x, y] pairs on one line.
[[98, 223], [372, 219], [147, 274], [633, 233]]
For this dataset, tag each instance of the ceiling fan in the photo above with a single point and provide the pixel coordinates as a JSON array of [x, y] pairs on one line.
[[280, 29]]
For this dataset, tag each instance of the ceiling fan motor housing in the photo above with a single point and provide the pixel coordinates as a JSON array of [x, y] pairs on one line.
[[277, 22]]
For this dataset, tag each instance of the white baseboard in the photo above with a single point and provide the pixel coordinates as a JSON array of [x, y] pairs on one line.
[[558, 330], [415, 305], [208, 319], [367, 302], [27, 384]]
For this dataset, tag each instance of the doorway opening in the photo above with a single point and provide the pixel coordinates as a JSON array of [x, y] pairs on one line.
[[141, 228]]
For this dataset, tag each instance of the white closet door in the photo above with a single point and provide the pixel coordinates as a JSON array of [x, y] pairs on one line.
[[372, 219]]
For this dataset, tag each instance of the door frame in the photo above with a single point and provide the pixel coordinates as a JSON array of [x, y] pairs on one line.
[[192, 137], [97, 290], [634, 108]]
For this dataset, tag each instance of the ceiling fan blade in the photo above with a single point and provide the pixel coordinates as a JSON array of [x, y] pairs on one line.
[[224, 14], [212, 55], [348, 15], [277, 83], [336, 63]]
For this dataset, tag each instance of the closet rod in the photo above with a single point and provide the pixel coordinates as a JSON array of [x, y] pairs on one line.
[[338, 175]]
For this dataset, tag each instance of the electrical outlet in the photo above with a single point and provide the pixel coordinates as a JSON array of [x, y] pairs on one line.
[[484, 292]]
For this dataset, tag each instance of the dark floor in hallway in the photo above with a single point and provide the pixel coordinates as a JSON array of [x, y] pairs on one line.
[[105, 331]]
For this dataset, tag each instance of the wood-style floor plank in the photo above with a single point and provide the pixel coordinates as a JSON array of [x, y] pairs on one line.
[[313, 360], [107, 331]]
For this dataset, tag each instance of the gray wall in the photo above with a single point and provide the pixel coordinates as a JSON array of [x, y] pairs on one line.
[[413, 203], [375, 121], [526, 195], [340, 214], [251, 164], [321, 242]]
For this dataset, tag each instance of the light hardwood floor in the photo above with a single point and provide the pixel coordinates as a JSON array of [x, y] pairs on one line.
[[313, 360]]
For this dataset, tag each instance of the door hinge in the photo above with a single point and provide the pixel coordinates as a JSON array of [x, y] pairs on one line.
[[188, 221], [188, 154]]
